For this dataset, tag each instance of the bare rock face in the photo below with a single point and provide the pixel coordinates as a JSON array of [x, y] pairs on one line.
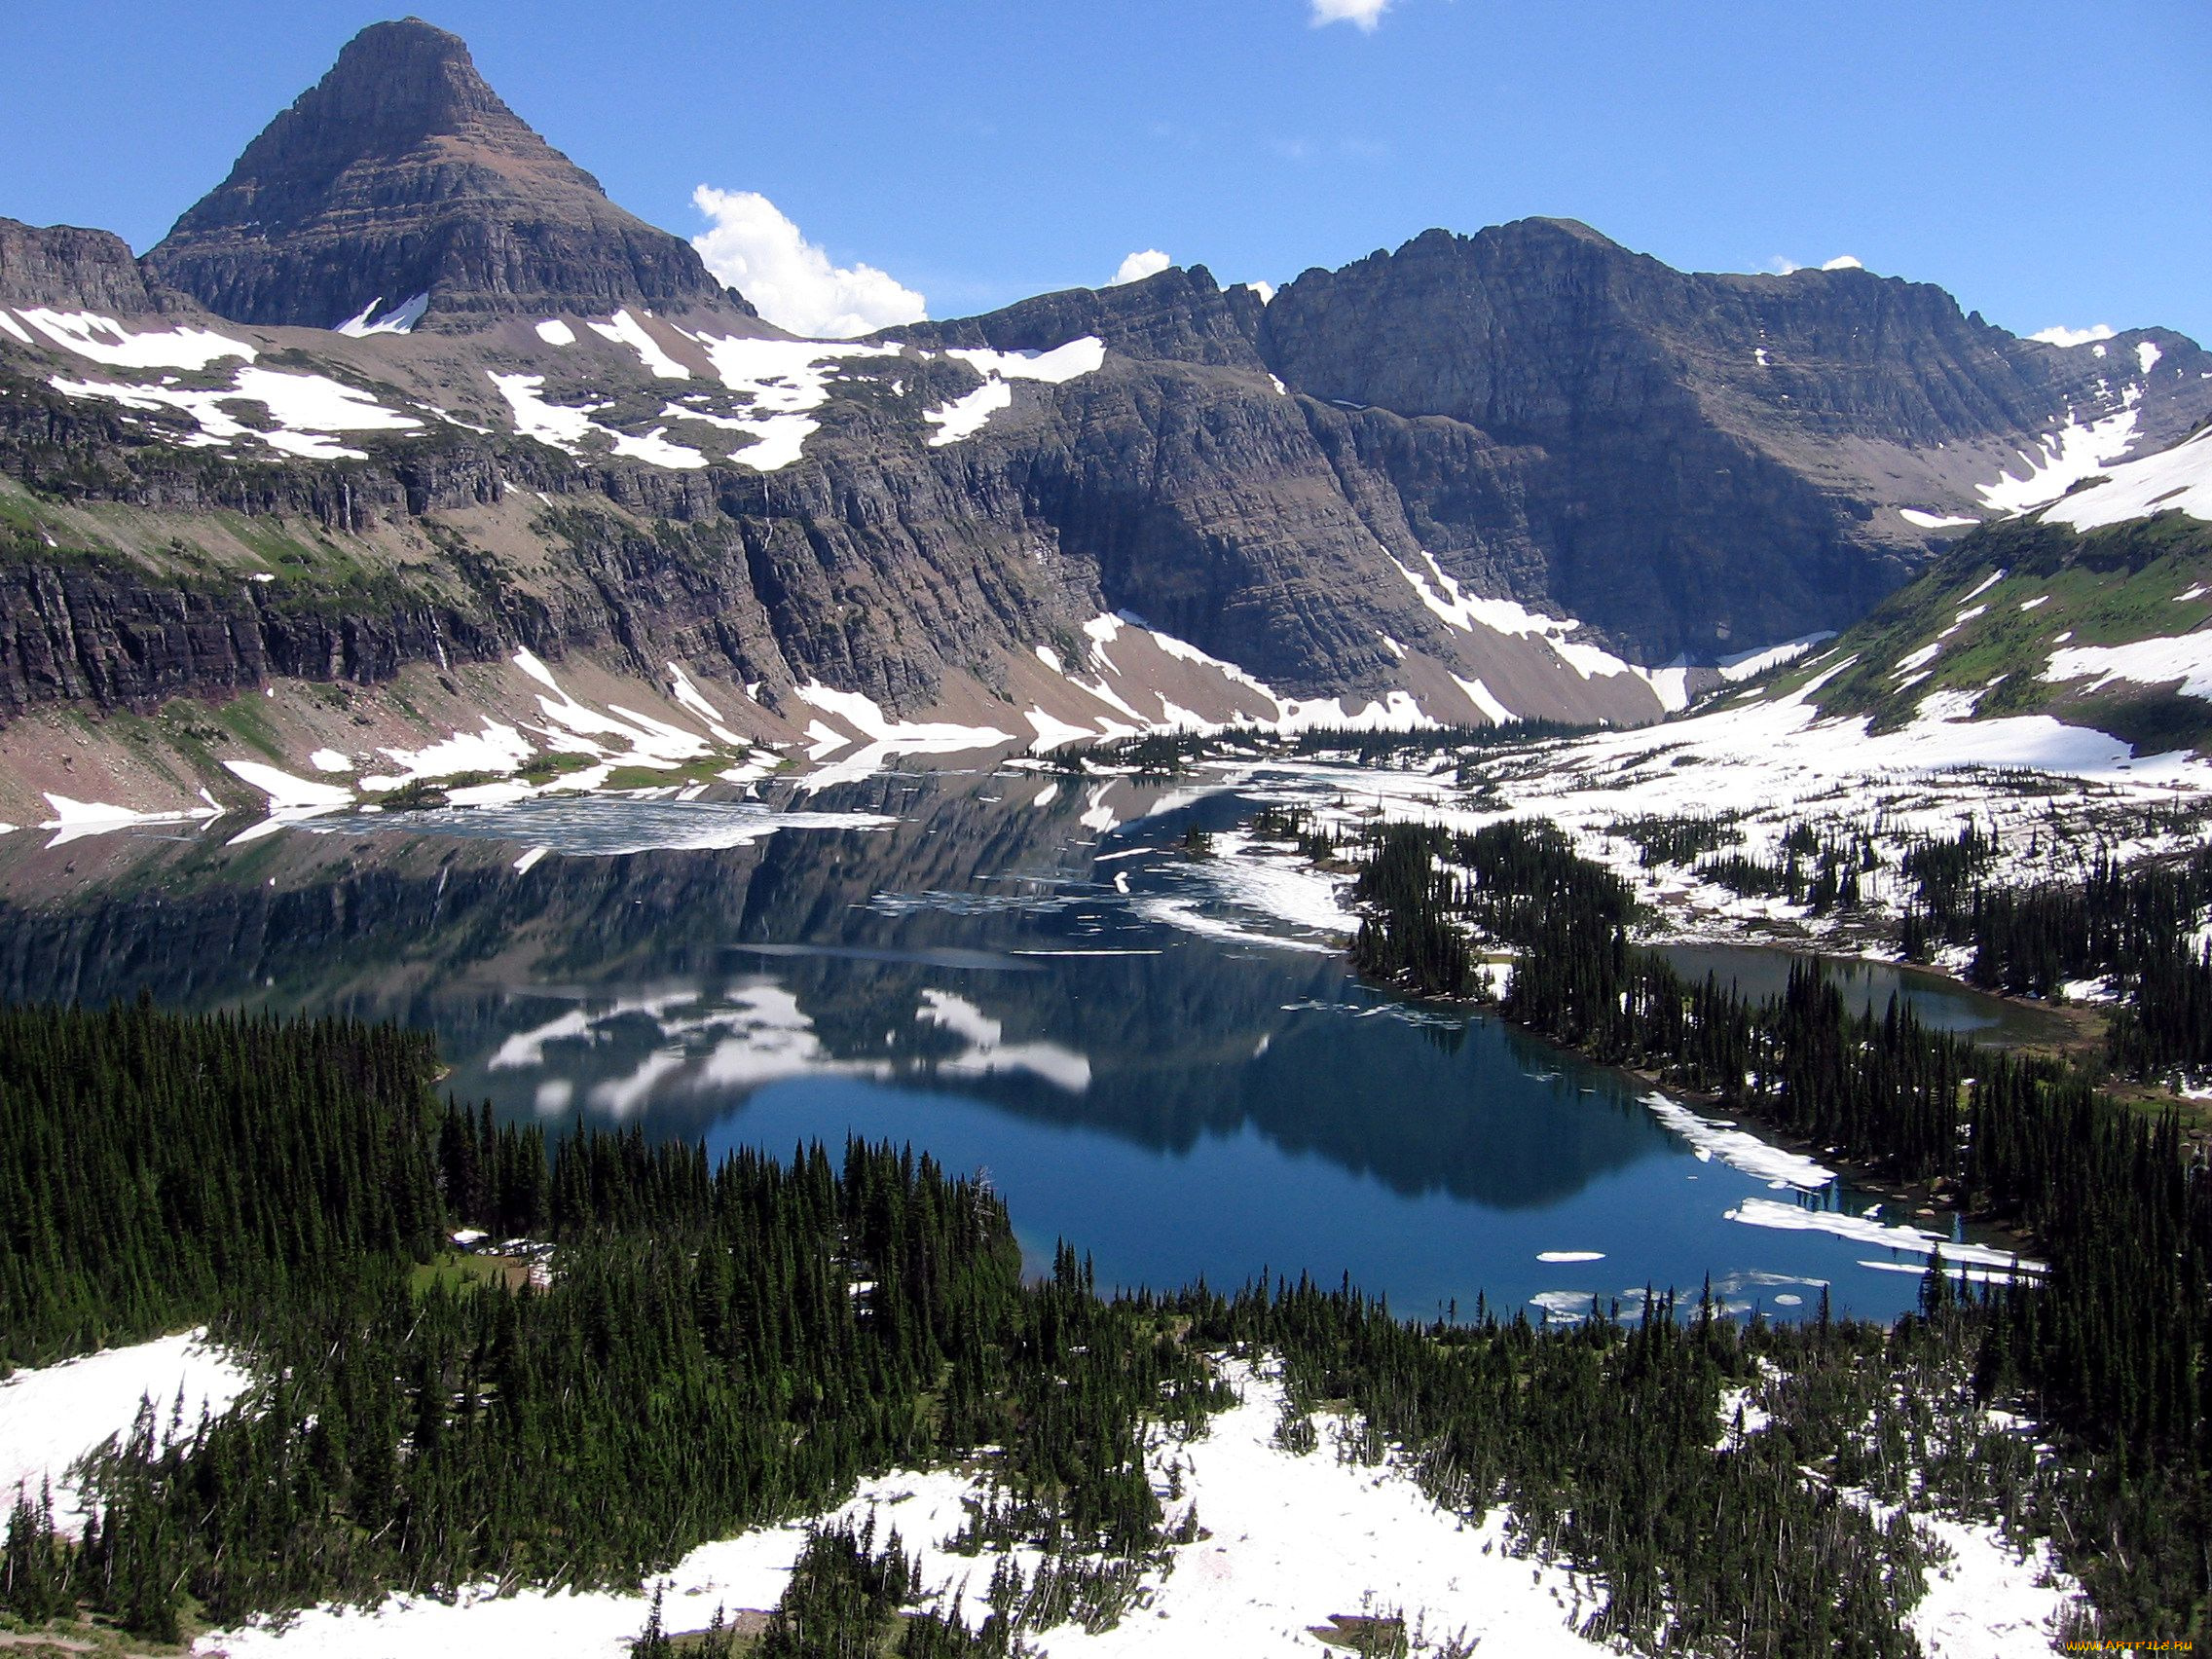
[[402, 173], [1694, 464], [67, 269], [1698, 461]]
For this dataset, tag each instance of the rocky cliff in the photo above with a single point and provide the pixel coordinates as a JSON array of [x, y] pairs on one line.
[[1478, 477], [62, 266], [402, 174], [1703, 461]]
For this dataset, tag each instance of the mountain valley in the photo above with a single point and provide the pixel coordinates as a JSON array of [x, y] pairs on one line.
[[442, 405]]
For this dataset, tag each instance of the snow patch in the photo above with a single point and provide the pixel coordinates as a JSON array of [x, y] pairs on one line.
[[104, 340], [304, 408], [2061, 460], [2186, 658], [627, 330], [2177, 479], [54, 1414], [1748, 665], [400, 319], [1056, 367], [968, 414], [285, 792]]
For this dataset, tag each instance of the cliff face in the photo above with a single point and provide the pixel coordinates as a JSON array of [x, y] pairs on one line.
[[62, 266], [1701, 462], [401, 173], [1388, 486]]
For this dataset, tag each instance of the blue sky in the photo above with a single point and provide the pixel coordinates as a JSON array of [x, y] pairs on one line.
[[2045, 162]]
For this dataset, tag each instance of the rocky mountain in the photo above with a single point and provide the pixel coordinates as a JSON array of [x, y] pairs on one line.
[[62, 266], [1525, 473], [1703, 462], [401, 177], [2096, 610]]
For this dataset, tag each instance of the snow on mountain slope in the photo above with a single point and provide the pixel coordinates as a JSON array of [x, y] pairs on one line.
[[2174, 480]]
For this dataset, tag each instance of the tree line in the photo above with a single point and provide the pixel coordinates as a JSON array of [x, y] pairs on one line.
[[2112, 1347]]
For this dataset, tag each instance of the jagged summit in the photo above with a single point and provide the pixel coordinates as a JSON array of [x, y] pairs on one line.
[[402, 173]]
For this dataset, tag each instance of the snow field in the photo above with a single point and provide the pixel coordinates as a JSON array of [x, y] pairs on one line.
[[2068, 455], [1441, 593], [52, 1417], [965, 415], [1293, 1539]]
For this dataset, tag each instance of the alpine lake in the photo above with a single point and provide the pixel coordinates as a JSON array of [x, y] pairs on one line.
[[1163, 1059]]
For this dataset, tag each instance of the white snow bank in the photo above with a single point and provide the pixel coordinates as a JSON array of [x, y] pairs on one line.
[[1441, 593], [70, 814], [104, 340], [867, 716], [305, 409], [2186, 657], [496, 747], [1748, 664], [285, 792], [2060, 462], [1056, 367], [968, 414], [554, 332], [400, 319], [1934, 521], [965, 415], [2177, 479], [1295, 1539], [627, 330], [1989, 1601], [52, 1416]]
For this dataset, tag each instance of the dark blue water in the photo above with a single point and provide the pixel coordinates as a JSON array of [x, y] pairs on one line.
[[1144, 1061]]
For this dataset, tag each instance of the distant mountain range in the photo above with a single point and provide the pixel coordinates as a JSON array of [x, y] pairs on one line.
[[407, 395]]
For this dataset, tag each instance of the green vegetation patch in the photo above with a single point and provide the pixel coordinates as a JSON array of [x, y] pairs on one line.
[[2109, 587]]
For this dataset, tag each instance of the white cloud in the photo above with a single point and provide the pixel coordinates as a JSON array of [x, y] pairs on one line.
[[2059, 335], [754, 249], [1782, 267], [1363, 15], [1148, 263], [1266, 290]]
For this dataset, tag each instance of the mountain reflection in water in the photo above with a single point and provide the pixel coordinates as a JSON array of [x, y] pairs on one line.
[[909, 959]]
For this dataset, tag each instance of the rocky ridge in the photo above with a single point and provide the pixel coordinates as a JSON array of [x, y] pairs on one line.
[[1383, 496], [401, 175]]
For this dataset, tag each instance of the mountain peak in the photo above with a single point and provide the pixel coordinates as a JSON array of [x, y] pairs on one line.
[[400, 174], [393, 81]]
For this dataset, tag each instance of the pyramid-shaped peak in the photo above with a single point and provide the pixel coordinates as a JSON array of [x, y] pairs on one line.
[[400, 78], [402, 173]]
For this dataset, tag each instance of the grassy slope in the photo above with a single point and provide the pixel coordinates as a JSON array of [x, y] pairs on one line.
[[2106, 587]]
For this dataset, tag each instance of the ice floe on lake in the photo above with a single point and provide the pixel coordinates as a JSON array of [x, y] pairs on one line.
[[1738, 1148], [1865, 1229]]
